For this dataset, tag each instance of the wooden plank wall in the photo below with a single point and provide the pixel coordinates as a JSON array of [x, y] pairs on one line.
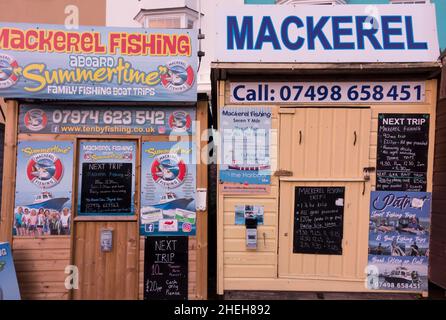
[[437, 272], [40, 266], [238, 269]]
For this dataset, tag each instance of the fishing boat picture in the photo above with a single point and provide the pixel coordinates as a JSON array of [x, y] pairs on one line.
[[170, 201], [46, 200], [402, 275], [248, 168]]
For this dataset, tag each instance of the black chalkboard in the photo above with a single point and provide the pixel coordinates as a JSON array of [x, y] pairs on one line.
[[166, 268], [106, 188], [318, 220], [402, 152]]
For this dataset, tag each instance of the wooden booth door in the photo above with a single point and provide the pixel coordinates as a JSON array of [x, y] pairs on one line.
[[324, 197], [113, 274]]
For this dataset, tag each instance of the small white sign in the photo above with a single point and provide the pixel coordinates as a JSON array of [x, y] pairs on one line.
[[168, 225], [332, 92]]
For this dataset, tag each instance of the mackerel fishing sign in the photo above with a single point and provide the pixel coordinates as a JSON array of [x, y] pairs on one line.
[[347, 33], [97, 63]]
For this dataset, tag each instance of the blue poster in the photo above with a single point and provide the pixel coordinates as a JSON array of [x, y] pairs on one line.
[[97, 63], [43, 188], [399, 232], [245, 154], [106, 183], [9, 288], [168, 187]]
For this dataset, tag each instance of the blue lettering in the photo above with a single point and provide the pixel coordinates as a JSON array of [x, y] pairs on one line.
[[241, 37], [370, 34], [267, 33], [285, 33], [388, 31], [338, 32], [235, 93], [315, 31], [411, 44]]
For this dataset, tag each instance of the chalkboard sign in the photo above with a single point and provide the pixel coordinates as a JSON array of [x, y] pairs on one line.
[[166, 268], [318, 220], [106, 188], [402, 152]]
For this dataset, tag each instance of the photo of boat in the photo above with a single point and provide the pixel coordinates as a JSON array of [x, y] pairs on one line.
[[402, 275], [45, 200], [170, 201], [248, 168]]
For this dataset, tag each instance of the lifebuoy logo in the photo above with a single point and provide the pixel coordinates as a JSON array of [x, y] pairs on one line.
[[45, 170], [168, 170], [35, 120], [180, 121], [179, 76], [8, 71]]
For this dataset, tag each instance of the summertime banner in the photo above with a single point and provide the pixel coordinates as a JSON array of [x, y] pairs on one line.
[[106, 178], [43, 188], [98, 120], [399, 232], [168, 184], [97, 63]]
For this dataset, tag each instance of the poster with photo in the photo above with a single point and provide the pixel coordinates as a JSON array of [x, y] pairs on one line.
[[244, 211], [43, 188], [106, 178], [245, 149], [168, 187], [399, 232]]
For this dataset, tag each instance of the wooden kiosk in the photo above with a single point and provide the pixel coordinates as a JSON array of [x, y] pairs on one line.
[[338, 134], [86, 164]]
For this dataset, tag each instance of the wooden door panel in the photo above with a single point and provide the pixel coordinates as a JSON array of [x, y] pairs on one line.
[[323, 143], [106, 275], [325, 147]]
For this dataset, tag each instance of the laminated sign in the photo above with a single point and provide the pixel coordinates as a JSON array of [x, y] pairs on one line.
[[9, 288], [43, 188], [168, 189], [245, 149], [399, 232]]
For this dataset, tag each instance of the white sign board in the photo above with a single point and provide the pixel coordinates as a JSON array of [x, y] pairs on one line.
[[322, 92], [341, 33]]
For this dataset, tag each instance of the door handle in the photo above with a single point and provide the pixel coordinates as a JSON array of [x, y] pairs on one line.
[[367, 171], [283, 173], [300, 137], [356, 138]]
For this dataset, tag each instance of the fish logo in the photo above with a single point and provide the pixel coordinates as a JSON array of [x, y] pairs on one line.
[[35, 120], [179, 76], [168, 225], [168, 170], [180, 121], [9, 71], [45, 170]]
